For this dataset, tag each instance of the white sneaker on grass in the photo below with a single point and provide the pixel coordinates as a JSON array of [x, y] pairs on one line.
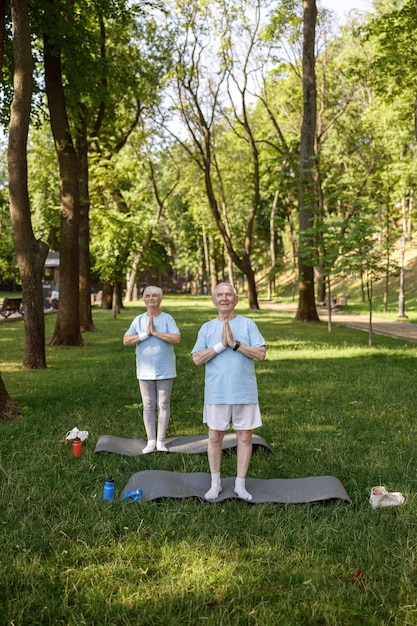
[[380, 497]]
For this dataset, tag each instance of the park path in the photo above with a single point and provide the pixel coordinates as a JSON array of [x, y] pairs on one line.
[[396, 328], [17, 316]]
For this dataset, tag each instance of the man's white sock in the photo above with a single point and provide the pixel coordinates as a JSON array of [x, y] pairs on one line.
[[215, 489], [240, 489]]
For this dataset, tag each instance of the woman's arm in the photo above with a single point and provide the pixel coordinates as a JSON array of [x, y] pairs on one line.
[[168, 337]]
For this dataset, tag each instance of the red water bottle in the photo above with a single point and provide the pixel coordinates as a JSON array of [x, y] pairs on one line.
[[77, 447]]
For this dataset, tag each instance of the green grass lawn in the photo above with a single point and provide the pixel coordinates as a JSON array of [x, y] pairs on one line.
[[330, 405]]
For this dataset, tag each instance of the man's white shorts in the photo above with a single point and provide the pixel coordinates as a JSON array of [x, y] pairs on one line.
[[243, 416]]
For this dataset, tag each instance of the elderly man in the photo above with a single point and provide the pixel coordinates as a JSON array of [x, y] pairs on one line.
[[229, 345]]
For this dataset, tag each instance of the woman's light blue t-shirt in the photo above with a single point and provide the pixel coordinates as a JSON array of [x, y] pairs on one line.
[[155, 359]]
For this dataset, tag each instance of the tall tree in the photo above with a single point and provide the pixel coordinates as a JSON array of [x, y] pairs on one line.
[[86, 317], [67, 328], [31, 253], [9, 409], [122, 68], [206, 78], [307, 196]]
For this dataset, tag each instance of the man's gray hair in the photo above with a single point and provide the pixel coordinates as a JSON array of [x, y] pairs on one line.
[[217, 287]]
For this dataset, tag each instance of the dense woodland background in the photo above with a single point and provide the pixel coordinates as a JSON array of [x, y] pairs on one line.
[[183, 143]]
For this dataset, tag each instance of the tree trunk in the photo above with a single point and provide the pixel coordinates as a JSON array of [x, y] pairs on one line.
[[244, 263], [307, 311], [210, 287], [192, 108], [9, 409], [230, 269], [320, 281], [370, 293], [107, 298], [252, 292], [214, 278], [148, 237], [200, 257], [2, 35], [131, 278], [31, 254], [272, 250], [86, 316], [67, 329], [117, 300]]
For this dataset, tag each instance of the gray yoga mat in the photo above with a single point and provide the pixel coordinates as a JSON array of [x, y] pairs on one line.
[[187, 445], [157, 484]]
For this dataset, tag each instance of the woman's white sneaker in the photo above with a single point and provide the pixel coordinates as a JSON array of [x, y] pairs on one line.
[[380, 497]]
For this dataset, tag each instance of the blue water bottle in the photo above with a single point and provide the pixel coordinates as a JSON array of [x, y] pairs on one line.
[[108, 491]]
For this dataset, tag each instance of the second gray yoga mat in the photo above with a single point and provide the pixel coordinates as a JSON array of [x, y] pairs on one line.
[[156, 484]]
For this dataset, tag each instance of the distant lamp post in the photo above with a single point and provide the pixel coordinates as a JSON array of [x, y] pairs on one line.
[[401, 295]]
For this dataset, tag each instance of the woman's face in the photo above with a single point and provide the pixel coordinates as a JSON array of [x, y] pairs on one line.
[[152, 299]]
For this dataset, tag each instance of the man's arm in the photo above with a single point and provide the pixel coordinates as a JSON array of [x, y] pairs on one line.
[[257, 353], [203, 356]]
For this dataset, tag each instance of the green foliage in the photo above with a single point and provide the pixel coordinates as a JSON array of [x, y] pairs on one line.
[[117, 73], [112, 242], [120, 81], [8, 262], [366, 258], [6, 91], [43, 186], [394, 37], [286, 22], [330, 406]]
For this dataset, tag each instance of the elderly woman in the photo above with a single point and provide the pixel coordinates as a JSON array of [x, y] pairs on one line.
[[154, 333]]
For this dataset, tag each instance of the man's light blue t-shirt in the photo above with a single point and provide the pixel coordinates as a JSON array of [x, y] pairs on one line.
[[155, 359], [230, 376]]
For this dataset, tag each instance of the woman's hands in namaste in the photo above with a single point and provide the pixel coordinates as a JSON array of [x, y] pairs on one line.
[[151, 327]]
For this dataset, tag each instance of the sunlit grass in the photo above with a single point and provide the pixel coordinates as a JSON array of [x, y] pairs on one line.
[[331, 406]]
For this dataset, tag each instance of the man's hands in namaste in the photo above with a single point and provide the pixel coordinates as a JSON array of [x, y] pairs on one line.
[[227, 336]]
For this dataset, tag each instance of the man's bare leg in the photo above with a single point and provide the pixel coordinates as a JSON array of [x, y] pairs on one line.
[[215, 460], [244, 455]]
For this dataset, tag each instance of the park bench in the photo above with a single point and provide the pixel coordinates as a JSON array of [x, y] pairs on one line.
[[341, 301], [338, 303], [11, 305]]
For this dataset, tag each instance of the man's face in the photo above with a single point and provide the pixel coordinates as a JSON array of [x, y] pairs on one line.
[[224, 299]]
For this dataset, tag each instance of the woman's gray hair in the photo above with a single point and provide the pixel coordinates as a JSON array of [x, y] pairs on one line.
[[152, 289]]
